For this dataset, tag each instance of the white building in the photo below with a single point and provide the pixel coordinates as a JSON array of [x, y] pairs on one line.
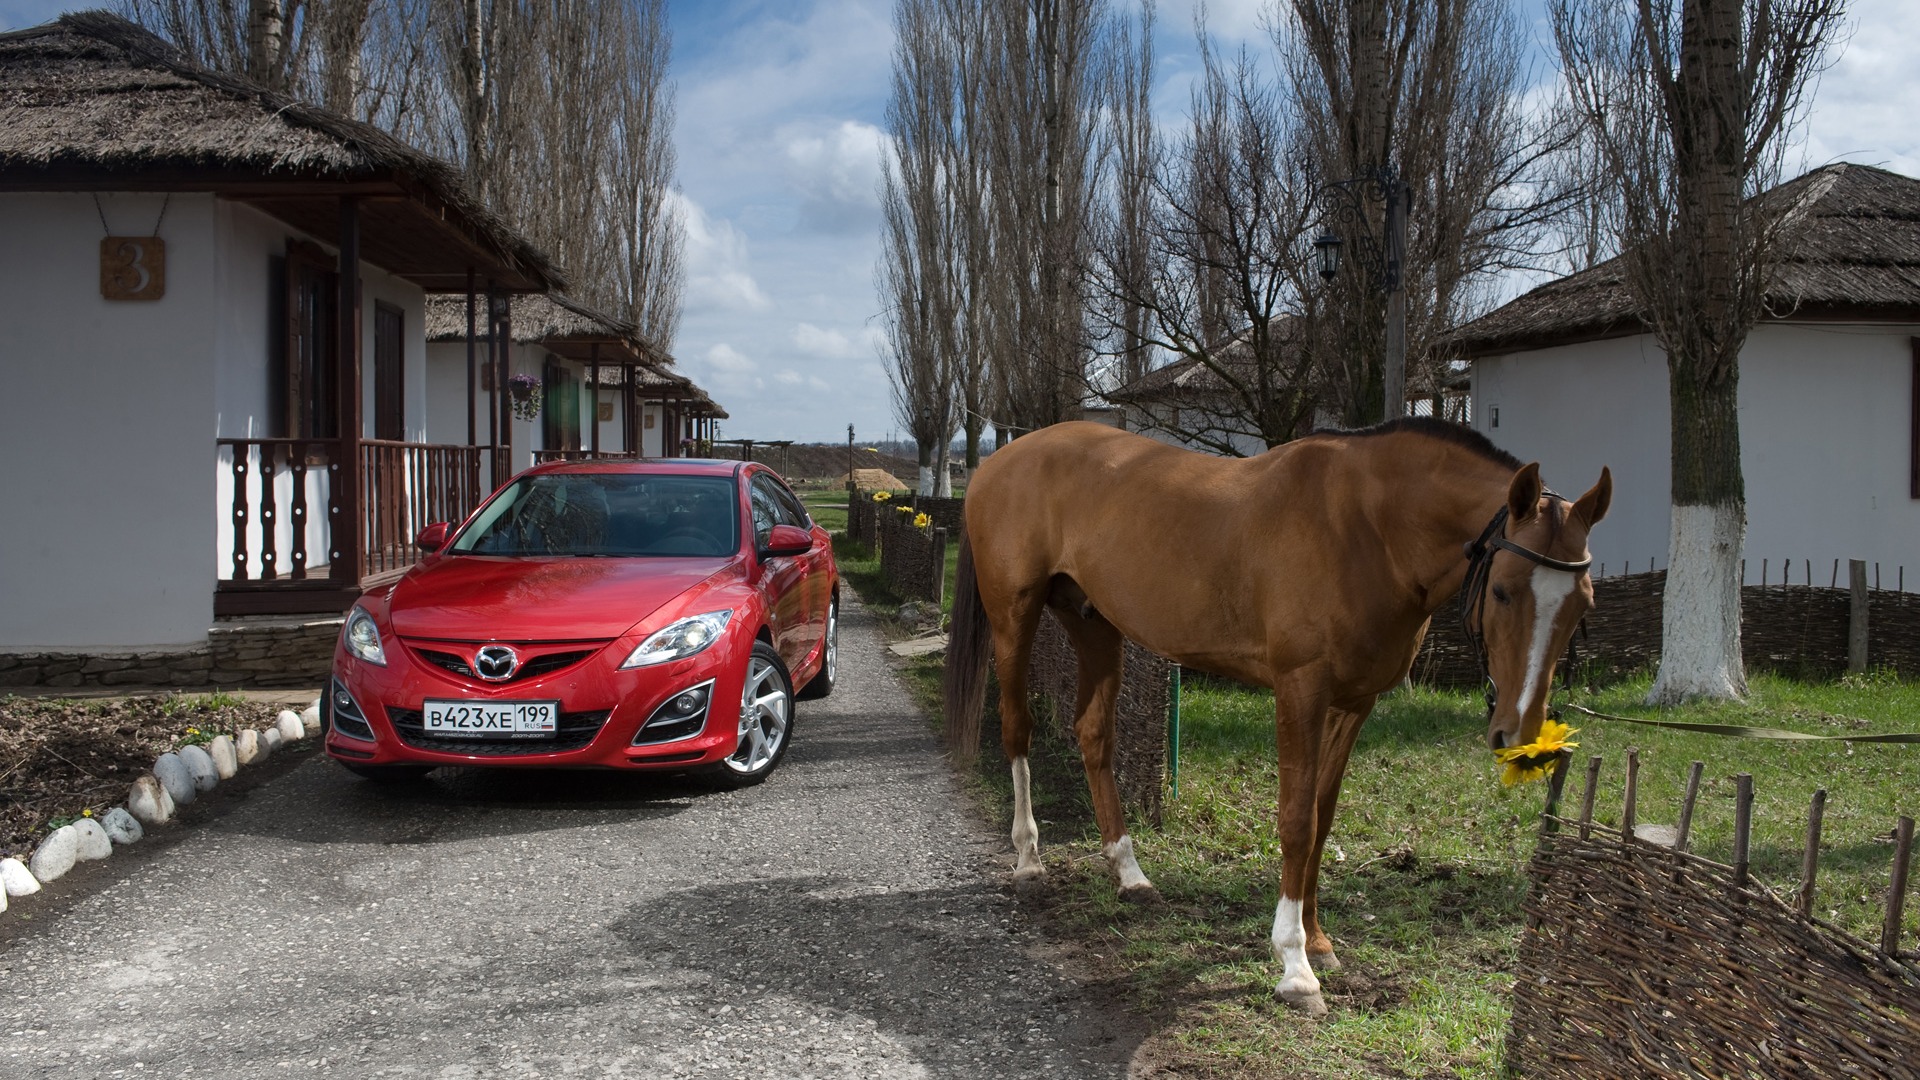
[[1829, 392], [204, 415]]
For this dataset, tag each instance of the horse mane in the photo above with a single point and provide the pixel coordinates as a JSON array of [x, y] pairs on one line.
[[1444, 430]]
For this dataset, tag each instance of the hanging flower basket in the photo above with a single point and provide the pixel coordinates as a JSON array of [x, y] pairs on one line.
[[524, 391]]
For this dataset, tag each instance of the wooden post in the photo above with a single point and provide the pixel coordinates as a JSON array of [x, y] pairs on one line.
[[1857, 615], [1633, 793], [1586, 800], [473, 376], [1810, 862], [1897, 892], [348, 556], [1742, 827], [593, 407], [1685, 827]]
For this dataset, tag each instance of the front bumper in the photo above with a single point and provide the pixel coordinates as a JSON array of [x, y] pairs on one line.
[[374, 714]]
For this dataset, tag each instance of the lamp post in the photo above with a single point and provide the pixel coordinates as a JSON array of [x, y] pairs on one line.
[[1384, 258]]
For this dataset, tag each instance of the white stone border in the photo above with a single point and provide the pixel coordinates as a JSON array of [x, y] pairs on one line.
[[178, 777]]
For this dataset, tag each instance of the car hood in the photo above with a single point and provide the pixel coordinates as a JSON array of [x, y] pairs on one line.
[[487, 598]]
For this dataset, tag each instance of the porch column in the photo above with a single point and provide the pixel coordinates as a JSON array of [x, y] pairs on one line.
[[473, 389], [345, 536], [593, 410], [500, 380]]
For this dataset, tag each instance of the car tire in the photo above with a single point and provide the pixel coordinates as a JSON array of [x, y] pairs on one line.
[[822, 682], [387, 774], [765, 719]]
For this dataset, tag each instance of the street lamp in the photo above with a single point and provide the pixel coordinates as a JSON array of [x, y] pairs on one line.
[[1382, 257]]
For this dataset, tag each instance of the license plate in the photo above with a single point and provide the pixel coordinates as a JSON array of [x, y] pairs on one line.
[[492, 719]]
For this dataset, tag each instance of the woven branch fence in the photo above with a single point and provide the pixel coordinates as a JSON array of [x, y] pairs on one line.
[[1642, 959], [913, 560], [1146, 696], [1799, 630]]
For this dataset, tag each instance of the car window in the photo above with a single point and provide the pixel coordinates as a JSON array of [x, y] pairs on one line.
[[796, 510], [767, 511], [606, 514]]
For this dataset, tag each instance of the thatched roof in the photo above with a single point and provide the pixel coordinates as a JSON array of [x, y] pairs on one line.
[[1850, 250], [565, 326], [93, 102]]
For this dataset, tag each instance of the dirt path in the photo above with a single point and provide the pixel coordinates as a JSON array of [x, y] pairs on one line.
[[844, 919]]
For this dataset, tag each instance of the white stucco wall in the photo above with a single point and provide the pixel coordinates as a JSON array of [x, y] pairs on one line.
[[107, 542], [1824, 427]]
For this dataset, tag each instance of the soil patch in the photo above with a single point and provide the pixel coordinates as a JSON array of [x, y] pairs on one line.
[[61, 757]]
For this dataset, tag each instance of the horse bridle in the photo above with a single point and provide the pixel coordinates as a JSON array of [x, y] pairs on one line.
[[1480, 575]]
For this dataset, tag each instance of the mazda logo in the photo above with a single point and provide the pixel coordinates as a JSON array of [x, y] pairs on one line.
[[495, 663]]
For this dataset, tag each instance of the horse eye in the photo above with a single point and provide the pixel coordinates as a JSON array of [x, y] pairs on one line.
[[1500, 594]]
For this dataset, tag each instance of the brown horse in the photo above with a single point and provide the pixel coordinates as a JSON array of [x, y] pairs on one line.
[[1312, 568]]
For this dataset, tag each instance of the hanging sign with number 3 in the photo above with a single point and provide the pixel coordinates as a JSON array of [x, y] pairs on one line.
[[133, 267]]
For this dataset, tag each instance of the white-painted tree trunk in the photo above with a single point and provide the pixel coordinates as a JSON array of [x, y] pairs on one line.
[[925, 486], [943, 474], [1700, 613]]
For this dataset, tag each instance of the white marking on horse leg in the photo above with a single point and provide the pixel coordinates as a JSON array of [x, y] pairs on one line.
[[1550, 591], [1120, 857], [1298, 984], [1026, 833]]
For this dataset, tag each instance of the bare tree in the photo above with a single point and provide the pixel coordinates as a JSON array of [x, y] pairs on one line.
[[1432, 89], [1691, 102]]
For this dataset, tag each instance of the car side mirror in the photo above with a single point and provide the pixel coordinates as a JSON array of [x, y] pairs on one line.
[[787, 540], [433, 537]]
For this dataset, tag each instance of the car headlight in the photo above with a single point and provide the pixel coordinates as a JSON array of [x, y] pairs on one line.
[[363, 638], [681, 639]]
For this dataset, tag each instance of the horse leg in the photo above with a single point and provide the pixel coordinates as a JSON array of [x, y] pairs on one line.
[[1343, 726], [1013, 629], [1300, 708], [1099, 648]]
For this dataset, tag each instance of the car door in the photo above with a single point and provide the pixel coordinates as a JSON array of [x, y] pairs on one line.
[[818, 586], [783, 577]]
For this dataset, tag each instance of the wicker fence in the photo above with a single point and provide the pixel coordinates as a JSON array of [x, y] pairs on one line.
[[913, 560], [1796, 629], [1146, 689], [1643, 959]]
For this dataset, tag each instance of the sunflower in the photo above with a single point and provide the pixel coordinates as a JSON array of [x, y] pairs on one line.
[[1536, 759]]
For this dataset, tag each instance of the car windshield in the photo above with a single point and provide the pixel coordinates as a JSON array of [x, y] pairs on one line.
[[589, 514]]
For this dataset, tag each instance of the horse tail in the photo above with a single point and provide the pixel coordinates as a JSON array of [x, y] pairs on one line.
[[968, 650]]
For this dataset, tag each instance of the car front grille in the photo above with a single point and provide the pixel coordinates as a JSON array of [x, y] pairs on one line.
[[576, 729], [532, 668]]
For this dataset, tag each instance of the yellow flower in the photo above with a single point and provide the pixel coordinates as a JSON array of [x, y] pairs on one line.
[[921, 521], [1536, 759], [904, 509], [193, 731], [87, 812], [882, 496]]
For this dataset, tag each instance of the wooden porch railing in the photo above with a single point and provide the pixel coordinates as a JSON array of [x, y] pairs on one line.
[[278, 485], [407, 486]]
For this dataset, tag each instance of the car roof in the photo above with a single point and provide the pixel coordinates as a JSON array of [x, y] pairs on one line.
[[645, 467]]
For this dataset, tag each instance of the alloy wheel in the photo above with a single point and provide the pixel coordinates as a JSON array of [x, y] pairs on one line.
[[766, 711]]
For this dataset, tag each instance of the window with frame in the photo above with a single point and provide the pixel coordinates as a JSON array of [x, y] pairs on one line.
[[389, 373]]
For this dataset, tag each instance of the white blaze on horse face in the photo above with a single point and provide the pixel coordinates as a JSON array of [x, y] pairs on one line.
[[1550, 591], [1120, 857], [1026, 833], [1290, 948]]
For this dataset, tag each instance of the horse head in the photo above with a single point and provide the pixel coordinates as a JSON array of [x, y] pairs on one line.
[[1530, 571]]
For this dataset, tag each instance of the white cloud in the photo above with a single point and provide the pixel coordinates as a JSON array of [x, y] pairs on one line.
[[728, 360], [796, 379], [836, 344], [717, 261], [837, 166]]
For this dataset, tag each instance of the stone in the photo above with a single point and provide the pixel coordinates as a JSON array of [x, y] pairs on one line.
[[225, 763], [290, 726], [173, 775], [122, 827], [247, 748], [270, 740], [310, 717], [149, 801], [56, 854], [3, 901], [1662, 835], [16, 879], [200, 767], [93, 840]]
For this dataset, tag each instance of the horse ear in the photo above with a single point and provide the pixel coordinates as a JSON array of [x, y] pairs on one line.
[[1592, 506], [1523, 495]]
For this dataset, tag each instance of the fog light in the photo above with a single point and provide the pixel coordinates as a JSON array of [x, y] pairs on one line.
[[681, 716]]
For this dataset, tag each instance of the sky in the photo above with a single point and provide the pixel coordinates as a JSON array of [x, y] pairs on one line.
[[781, 115]]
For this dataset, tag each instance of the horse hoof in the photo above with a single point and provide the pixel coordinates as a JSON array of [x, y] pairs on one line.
[[1309, 1002], [1029, 880], [1325, 961], [1143, 895]]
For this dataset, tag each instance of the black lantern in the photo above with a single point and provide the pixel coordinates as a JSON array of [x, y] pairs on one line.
[[1328, 245]]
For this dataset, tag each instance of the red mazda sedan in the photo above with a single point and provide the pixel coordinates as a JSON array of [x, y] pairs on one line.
[[599, 614]]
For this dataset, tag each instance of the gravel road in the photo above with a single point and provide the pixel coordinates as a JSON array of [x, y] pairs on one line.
[[847, 918]]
